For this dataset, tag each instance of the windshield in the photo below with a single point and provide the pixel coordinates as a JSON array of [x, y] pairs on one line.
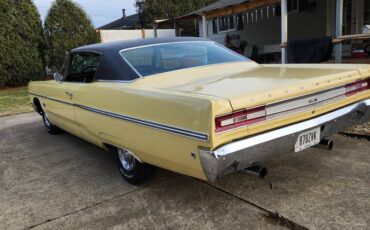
[[167, 57]]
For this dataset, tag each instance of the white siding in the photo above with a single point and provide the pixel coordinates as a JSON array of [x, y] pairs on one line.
[[118, 35], [267, 31]]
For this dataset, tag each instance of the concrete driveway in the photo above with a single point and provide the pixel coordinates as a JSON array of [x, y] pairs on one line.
[[62, 182]]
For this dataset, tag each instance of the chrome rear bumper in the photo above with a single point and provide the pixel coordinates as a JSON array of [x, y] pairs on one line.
[[240, 154]]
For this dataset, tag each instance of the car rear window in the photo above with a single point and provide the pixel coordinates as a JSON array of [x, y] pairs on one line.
[[159, 58]]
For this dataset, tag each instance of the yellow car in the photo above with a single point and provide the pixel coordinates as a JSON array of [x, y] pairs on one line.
[[194, 107]]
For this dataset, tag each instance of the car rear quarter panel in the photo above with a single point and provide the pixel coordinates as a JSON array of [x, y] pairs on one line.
[[154, 146]]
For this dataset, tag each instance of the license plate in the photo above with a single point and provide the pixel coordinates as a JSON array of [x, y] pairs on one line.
[[307, 139]]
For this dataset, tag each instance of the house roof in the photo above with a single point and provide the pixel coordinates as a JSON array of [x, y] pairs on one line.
[[219, 4], [128, 22], [214, 6], [224, 4]]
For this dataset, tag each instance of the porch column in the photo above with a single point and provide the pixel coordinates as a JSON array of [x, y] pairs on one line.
[[204, 26], [338, 30], [284, 29], [155, 32]]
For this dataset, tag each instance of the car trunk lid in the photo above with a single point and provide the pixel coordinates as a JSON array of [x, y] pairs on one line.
[[248, 85]]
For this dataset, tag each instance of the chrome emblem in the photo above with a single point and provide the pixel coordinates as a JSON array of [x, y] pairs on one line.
[[312, 100]]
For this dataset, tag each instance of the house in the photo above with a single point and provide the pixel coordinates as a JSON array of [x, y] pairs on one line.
[[125, 23], [129, 27], [266, 24]]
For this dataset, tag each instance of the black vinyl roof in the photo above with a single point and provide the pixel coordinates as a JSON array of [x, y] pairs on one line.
[[113, 66]]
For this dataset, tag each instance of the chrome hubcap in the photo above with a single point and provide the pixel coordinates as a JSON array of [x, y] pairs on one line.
[[127, 159]]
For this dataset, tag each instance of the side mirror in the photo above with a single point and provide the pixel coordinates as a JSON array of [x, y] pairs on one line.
[[58, 76]]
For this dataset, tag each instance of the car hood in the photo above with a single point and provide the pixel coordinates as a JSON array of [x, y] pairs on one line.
[[248, 84]]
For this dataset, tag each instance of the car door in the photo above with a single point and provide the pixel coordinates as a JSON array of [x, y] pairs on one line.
[[79, 74], [60, 107]]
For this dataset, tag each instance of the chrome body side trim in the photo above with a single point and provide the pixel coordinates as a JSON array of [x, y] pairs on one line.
[[118, 81], [154, 125], [305, 102], [333, 94], [305, 108], [52, 99], [171, 129], [240, 154]]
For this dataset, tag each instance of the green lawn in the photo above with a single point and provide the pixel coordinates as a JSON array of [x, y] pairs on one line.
[[14, 101]]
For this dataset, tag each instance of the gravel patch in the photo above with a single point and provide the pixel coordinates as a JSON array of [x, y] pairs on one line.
[[363, 129]]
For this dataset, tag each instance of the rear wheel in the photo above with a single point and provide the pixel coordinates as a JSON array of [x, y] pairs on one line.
[[132, 170], [50, 128]]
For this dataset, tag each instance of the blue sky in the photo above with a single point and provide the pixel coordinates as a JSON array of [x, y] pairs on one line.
[[100, 11]]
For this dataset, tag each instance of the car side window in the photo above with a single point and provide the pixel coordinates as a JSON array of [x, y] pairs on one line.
[[82, 67]]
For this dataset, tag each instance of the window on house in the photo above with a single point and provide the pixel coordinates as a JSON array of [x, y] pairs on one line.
[[240, 22], [214, 26], [226, 23], [347, 17], [367, 13], [293, 5]]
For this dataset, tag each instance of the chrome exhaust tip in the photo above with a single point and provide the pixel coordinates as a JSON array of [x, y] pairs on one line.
[[325, 144], [256, 170]]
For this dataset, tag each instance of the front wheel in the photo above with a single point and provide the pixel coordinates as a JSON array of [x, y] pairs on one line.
[[132, 170], [50, 128]]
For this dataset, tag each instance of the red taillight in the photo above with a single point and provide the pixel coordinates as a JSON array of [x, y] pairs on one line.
[[357, 87], [240, 118]]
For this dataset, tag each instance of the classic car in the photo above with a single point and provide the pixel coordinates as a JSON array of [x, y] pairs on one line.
[[192, 106]]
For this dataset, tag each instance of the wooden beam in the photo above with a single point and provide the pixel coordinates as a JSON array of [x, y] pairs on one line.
[[239, 8], [340, 39], [351, 37]]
